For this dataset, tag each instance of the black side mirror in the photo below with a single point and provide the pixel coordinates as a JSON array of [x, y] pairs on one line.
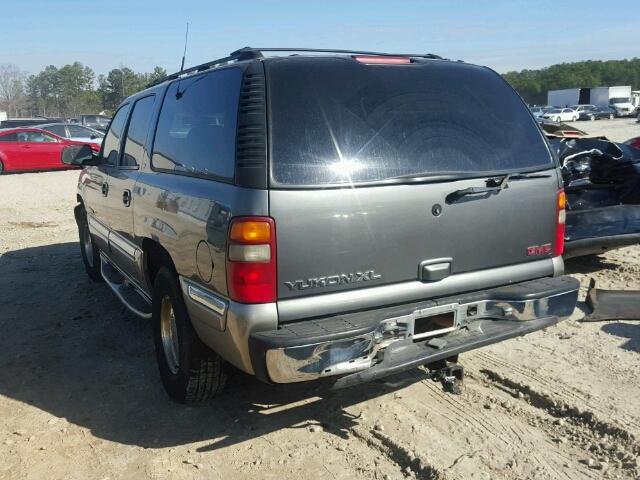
[[78, 155]]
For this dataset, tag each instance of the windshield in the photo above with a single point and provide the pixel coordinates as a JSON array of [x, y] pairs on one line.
[[336, 121], [554, 110], [620, 100]]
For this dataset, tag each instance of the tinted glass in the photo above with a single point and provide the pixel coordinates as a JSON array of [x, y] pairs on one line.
[[57, 129], [137, 131], [82, 132], [111, 143], [39, 137], [196, 129], [8, 137], [336, 121]]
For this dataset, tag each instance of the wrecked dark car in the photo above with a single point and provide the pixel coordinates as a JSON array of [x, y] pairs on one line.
[[602, 184], [559, 129]]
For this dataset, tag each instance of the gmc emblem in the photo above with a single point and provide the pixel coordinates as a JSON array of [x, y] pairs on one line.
[[538, 249]]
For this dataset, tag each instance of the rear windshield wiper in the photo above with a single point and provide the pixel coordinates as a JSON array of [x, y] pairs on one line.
[[493, 185]]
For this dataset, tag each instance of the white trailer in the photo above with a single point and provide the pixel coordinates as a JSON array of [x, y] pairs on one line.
[[619, 98], [563, 98]]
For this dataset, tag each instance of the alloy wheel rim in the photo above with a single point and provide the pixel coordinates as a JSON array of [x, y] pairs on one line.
[[169, 334]]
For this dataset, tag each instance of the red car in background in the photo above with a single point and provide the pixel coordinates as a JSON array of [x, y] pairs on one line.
[[30, 148], [634, 142]]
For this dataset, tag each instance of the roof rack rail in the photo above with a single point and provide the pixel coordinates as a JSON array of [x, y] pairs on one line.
[[249, 53], [246, 53], [330, 50]]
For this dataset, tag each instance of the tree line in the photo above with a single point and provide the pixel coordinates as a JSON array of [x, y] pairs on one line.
[[74, 88], [69, 90], [533, 85]]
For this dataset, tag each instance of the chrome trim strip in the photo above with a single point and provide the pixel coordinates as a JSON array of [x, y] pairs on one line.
[[205, 297], [356, 299], [122, 244], [96, 227], [311, 361]]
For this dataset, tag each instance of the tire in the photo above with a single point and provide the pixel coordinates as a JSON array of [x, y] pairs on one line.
[[611, 116], [191, 373], [592, 117], [88, 250], [1, 167], [558, 119], [575, 118]]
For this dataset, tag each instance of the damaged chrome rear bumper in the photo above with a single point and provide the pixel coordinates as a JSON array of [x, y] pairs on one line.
[[373, 344]]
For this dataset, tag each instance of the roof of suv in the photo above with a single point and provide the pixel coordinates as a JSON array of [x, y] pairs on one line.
[[248, 54]]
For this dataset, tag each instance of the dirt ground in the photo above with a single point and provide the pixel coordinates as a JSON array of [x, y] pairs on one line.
[[80, 397]]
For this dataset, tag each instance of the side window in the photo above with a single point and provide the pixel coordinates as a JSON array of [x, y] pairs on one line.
[[111, 143], [9, 137], [137, 131], [79, 132], [39, 137], [196, 129], [57, 129]]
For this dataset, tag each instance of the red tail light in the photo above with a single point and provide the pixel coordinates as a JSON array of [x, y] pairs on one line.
[[561, 215], [251, 260]]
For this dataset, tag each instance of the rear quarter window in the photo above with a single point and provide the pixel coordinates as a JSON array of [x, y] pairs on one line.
[[137, 131], [196, 129], [113, 138], [9, 137], [336, 121]]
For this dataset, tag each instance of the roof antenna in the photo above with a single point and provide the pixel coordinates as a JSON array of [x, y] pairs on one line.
[[184, 54]]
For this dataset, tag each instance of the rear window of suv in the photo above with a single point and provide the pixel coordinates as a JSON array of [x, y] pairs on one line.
[[335, 121]]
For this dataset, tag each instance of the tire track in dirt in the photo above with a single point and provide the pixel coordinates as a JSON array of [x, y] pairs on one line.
[[398, 454], [525, 440], [463, 411], [612, 444], [494, 428], [562, 391]]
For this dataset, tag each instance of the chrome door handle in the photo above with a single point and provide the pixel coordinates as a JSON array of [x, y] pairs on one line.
[[105, 189], [126, 197]]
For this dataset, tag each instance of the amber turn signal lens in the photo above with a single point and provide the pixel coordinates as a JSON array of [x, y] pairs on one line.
[[250, 231], [562, 200]]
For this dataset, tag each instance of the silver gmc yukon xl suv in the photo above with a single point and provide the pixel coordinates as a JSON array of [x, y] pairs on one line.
[[328, 213]]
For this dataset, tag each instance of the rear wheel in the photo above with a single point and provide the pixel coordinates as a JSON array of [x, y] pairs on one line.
[[190, 372], [1, 167], [88, 250]]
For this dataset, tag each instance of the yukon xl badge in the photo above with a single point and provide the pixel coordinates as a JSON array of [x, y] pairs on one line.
[[331, 280]]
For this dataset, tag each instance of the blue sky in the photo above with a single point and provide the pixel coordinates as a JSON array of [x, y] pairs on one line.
[[505, 35]]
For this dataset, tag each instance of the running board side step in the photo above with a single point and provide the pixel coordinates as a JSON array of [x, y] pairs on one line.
[[129, 294]]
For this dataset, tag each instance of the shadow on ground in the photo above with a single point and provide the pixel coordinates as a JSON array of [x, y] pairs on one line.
[[588, 264], [630, 331], [70, 349]]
